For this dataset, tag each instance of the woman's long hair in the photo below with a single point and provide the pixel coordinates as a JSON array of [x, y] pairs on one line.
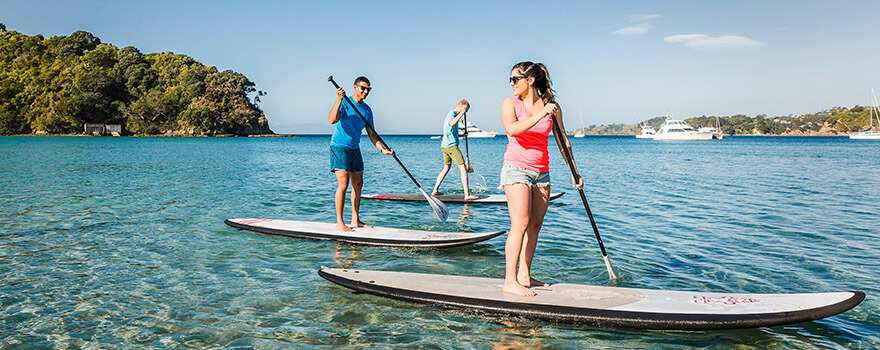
[[542, 78]]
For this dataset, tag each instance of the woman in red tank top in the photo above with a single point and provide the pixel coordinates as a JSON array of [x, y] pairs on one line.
[[525, 175]]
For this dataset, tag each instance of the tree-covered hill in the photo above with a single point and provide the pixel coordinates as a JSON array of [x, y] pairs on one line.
[[56, 85], [833, 121]]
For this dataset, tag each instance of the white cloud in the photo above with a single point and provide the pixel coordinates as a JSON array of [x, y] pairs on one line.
[[643, 25], [643, 18], [684, 38], [634, 30], [702, 41]]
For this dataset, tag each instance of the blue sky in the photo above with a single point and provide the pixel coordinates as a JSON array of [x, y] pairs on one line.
[[615, 62]]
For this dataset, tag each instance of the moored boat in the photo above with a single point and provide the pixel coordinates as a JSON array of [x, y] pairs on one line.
[[870, 133], [648, 132], [679, 130], [473, 131]]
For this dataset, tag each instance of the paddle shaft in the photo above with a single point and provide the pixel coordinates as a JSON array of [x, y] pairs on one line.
[[560, 140], [373, 130], [466, 155]]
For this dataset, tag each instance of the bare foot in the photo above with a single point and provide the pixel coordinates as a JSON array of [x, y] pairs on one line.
[[516, 289], [341, 227], [361, 224], [532, 282], [435, 194], [471, 197]]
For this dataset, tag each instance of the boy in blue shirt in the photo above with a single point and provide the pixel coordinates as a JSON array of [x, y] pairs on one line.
[[345, 149], [451, 153]]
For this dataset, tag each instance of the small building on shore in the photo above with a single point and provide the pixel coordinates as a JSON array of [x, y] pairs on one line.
[[102, 129]]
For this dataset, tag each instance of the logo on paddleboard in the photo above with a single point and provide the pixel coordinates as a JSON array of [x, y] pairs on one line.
[[253, 222], [724, 300]]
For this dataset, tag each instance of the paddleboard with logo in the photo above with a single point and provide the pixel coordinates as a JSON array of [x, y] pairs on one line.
[[452, 198], [600, 306], [381, 236]]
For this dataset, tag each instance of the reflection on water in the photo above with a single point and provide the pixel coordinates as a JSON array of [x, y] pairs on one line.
[[343, 249], [463, 218]]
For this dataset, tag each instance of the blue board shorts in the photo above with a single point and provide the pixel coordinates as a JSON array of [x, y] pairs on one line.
[[346, 159], [512, 174]]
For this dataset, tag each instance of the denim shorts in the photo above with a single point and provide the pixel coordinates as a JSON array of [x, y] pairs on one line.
[[512, 174], [346, 159]]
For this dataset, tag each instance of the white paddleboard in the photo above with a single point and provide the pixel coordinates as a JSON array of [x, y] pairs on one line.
[[600, 305], [453, 198], [382, 236]]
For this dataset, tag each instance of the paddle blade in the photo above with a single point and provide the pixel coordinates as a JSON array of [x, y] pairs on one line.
[[613, 273], [439, 208], [470, 168]]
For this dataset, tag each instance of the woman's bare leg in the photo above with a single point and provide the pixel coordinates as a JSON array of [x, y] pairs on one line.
[[518, 205], [540, 198]]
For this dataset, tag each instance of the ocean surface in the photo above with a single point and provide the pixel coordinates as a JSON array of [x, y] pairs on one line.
[[120, 242]]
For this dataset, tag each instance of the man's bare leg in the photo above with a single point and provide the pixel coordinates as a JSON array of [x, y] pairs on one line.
[[440, 178], [341, 188], [462, 169], [357, 183]]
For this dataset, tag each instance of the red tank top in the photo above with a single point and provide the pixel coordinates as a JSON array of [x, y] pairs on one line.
[[529, 149]]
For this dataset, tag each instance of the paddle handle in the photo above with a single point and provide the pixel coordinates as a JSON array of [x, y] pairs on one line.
[[373, 130], [560, 140]]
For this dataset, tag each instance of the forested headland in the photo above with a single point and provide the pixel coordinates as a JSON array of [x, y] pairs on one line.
[[830, 122], [56, 85]]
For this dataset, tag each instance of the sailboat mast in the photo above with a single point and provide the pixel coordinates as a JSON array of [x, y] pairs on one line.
[[875, 110], [580, 132]]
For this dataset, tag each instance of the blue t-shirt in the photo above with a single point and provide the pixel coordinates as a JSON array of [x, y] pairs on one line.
[[348, 129], [450, 133]]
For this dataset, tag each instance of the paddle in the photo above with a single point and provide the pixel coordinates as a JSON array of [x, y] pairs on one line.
[[439, 208], [561, 141], [467, 157]]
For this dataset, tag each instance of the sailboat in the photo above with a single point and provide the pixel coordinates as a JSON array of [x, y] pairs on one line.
[[580, 132], [870, 133]]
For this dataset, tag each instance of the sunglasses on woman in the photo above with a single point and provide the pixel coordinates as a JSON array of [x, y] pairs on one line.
[[513, 80]]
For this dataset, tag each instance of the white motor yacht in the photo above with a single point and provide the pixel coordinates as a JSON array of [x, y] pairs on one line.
[[474, 132], [870, 133], [678, 130], [648, 132]]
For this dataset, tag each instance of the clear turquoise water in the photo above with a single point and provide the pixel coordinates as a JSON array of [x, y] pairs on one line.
[[120, 242]]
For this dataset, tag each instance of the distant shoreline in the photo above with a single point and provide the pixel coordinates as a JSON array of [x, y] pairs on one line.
[[314, 135], [158, 135]]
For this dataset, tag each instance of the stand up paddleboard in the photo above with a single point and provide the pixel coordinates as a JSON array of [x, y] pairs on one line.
[[381, 236], [598, 305], [453, 198]]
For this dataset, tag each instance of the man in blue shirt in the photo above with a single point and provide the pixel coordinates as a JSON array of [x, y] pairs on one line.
[[345, 149], [451, 153]]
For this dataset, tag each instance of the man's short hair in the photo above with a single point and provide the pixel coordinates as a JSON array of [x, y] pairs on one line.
[[363, 79], [464, 102]]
